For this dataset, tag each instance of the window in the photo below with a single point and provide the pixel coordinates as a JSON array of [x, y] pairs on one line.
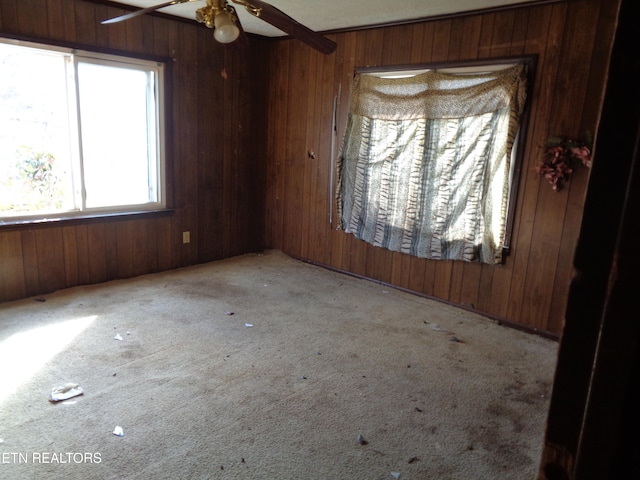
[[80, 133], [426, 166]]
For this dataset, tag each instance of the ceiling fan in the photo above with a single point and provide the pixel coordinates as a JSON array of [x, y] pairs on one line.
[[222, 17]]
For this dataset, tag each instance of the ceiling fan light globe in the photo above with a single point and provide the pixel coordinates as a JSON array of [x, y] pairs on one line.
[[226, 34], [225, 30]]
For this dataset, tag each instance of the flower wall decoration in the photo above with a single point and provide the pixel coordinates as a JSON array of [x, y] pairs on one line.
[[560, 157]]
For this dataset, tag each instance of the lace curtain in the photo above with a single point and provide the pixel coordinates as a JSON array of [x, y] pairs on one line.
[[424, 166]]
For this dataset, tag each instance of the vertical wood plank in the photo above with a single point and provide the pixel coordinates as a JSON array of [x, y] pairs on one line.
[[472, 31], [228, 160], [310, 179], [429, 280], [96, 246], [502, 34], [486, 35], [277, 145], [401, 270], [324, 218], [443, 272], [61, 20], [455, 286], [51, 260], [124, 233], [70, 255], [92, 28], [82, 255], [416, 275], [295, 152], [164, 244], [212, 164], [441, 38], [12, 276], [519, 33], [35, 24], [456, 37], [470, 286], [140, 260], [8, 15], [30, 261], [114, 264], [485, 289]]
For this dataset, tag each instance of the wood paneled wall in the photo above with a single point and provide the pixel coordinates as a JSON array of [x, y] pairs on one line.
[[572, 40], [251, 152], [214, 162]]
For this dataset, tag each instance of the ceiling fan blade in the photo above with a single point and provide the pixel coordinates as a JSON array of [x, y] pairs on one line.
[[142, 11], [284, 22], [242, 41]]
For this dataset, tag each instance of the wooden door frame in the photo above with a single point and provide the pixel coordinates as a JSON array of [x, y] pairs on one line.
[[593, 417]]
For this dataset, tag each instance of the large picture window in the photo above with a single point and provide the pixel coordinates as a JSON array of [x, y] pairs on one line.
[[426, 162], [80, 133]]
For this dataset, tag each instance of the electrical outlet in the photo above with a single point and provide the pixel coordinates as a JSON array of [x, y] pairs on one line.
[[186, 237]]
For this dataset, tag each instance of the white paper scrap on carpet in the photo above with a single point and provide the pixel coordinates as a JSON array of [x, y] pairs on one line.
[[65, 391]]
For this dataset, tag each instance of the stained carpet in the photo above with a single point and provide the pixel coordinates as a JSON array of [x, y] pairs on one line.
[[265, 367]]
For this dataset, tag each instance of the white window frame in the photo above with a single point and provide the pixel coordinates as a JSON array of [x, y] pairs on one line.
[[156, 141]]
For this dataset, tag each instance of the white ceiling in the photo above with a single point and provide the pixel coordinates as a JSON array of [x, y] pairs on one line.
[[325, 15]]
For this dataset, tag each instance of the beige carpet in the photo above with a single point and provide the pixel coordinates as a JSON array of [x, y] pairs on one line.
[[265, 367]]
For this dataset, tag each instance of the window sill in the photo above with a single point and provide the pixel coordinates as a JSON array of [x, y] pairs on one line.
[[7, 225]]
